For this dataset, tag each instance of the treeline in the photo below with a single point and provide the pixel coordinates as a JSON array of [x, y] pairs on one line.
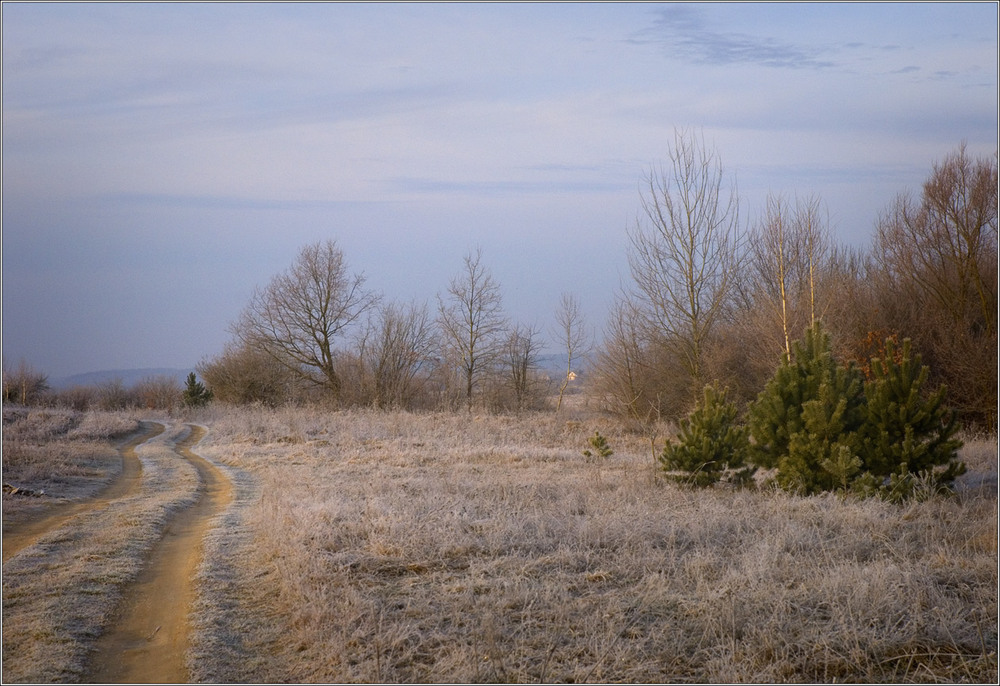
[[24, 385], [316, 333], [714, 298]]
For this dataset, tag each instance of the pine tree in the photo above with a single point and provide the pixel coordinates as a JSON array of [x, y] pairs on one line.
[[712, 443], [807, 420], [823, 455], [906, 432], [195, 393], [776, 415]]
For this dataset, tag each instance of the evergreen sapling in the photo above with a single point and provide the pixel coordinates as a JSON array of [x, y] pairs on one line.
[[711, 444], [600, 446], [195, 393], [807, 421]]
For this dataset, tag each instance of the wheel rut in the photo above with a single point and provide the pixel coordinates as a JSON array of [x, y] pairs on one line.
[[18, 537], [148, 639]]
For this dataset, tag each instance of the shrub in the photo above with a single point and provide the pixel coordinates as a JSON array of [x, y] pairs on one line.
[[195, 393], [23, 385], [157, 393], [245, 375], [711, 443], [112, 395]]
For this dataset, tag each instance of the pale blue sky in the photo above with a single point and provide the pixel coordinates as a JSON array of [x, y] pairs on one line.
[[162, 160]]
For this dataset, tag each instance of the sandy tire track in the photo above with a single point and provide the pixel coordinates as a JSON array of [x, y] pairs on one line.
[[19, 536], [148, 639]]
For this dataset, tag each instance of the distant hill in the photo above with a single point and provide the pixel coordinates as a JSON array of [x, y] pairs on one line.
[[552, 364], [555, 364], [129, 377]]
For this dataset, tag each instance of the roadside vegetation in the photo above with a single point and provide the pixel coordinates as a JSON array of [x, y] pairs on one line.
[[60, 452]]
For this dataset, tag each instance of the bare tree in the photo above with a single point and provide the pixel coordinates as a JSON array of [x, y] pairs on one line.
[[472, 322], [945, 244], [937, 277], [298, 317], [784, 260], [771, 254], [811, 227], [571, 331], [520, 359], [685, 251], [397, 341]]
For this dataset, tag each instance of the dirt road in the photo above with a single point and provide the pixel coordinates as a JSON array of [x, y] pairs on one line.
[[148, 642], [107, 624]]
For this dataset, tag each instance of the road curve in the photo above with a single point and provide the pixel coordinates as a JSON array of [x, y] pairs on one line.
[[147, 641]]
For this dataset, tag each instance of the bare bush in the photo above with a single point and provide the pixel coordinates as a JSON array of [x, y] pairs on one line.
[[157, 393], [636, 377], [112, 395], [23, 384], [243, 374], [79, 398], [394, 352]]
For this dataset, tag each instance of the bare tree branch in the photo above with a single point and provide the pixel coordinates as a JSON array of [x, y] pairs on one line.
[[571, 331], [686, 250], [471, 320], [298, 316]]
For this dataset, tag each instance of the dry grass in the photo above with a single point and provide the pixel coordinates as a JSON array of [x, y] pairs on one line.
[[448, 548], [65, 453], [61, 591]]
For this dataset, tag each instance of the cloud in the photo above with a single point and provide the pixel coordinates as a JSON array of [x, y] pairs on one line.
[[683, 32], [222, 202], [501, 188]]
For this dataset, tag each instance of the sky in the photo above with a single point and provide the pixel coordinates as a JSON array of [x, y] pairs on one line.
[[161, 161]]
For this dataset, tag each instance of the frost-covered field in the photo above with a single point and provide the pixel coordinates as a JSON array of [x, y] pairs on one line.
[[369, 546], [65, 453]]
